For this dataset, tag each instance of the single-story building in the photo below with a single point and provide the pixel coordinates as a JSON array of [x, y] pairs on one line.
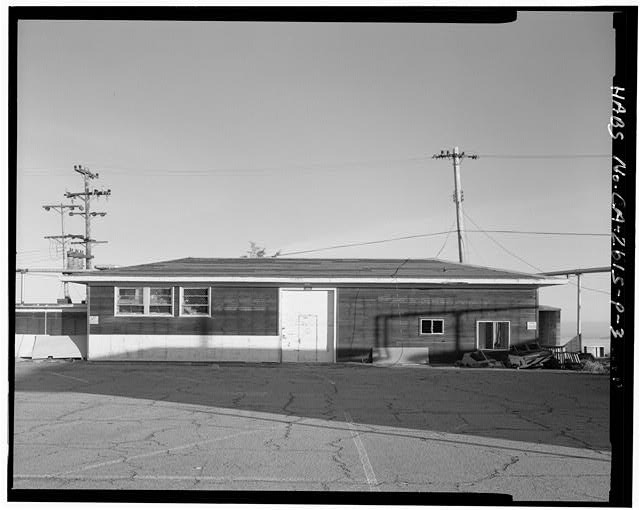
[[307, 310]]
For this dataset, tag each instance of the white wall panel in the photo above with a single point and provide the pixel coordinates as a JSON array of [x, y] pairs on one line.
[[185, 348]]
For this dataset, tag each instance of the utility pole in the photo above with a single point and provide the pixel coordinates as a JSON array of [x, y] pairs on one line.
[[457, 157], [60, 208], [86, 195]]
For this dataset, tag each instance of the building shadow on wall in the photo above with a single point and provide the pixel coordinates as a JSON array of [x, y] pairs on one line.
[[392, 334]]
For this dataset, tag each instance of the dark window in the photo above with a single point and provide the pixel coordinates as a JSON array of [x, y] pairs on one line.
[[431, 326], [493, 334]]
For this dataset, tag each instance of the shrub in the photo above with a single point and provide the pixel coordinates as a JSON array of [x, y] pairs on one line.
[[594, 367]]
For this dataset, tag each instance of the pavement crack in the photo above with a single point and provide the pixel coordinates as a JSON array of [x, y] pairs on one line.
[[289, 402], [496, 472], [337, 458]]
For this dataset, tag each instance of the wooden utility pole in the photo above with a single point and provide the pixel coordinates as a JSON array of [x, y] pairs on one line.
[[60, 208], [86, 195], [457, 157]]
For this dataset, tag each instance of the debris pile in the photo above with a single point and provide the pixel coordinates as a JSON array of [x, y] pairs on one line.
[[480, 359], [527, 356]]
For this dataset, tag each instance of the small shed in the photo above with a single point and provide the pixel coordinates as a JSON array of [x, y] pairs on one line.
[[307, 310]]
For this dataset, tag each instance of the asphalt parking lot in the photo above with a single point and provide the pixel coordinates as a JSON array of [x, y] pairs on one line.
[[537, 435]]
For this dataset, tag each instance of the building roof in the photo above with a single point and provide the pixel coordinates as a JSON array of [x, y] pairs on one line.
[[288, 270]]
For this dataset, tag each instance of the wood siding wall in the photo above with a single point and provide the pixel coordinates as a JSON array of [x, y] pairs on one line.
[[367, 316], [234, 311], [389, 317]]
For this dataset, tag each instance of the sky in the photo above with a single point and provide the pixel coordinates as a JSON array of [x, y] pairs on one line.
[[300, 136]]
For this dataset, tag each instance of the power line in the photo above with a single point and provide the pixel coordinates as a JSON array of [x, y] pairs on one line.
[[473, 248], [449, 231], [29, 251], [130, 171], [527, 263], [590, 288], [309, 166], [503, 247], [533, 232], [445, 239], [544, 156], [365, 243]]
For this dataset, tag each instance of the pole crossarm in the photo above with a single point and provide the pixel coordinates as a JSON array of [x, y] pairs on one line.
[[89, 241], [450, 155], [94, 193], [85, 214], [61, 207], [66, 236], [85, 172]]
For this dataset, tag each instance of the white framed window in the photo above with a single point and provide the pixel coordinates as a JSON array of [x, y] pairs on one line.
[[160, 301], [152, 301], [493, 334], [195, 301], [129, 301], [429, 326]]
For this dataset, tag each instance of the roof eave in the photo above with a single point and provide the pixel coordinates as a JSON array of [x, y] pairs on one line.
[[102, 278]]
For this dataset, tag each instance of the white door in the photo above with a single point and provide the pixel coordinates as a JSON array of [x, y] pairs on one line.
[[305, 334]]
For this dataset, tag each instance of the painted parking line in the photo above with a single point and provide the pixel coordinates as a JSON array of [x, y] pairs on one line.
[[154, 453], [67, 377], [364, 458]]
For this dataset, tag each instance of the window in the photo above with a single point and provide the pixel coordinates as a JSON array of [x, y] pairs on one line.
[[195, 301], [129, 301], [161, 301], [431, 326], [144, 301], [493, 334]]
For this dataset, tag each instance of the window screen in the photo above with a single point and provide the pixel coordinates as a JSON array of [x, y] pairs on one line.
[[161, 301], [195, 301]]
